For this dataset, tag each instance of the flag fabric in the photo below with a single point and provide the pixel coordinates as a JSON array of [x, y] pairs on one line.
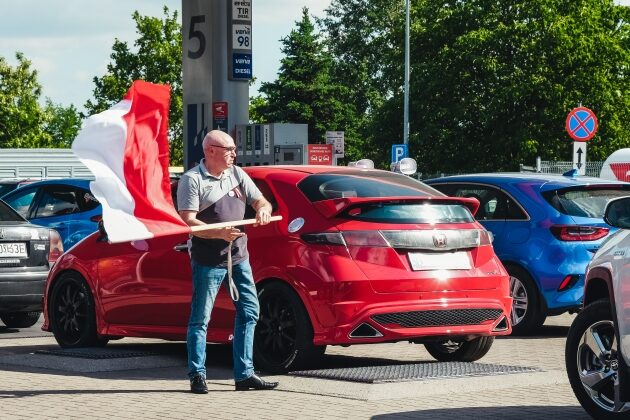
[[127, 150]]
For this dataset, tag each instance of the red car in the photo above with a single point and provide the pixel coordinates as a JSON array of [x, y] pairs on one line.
[[360, 256]]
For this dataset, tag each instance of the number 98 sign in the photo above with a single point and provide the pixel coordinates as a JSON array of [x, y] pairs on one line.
[[241, 37]]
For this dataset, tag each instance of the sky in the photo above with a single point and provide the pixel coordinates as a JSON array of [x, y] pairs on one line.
[[69, 41]]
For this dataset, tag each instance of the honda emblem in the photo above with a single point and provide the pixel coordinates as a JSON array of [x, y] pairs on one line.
[[439, 240]]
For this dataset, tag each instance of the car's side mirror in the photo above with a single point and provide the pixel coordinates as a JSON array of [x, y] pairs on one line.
[[617, 213]]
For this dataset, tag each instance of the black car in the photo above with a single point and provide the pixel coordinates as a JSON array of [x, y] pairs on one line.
[[27, 252]]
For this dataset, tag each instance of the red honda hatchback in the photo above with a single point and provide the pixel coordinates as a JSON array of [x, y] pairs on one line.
[[360, 256]]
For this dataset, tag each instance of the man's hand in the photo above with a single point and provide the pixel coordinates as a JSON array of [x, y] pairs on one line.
[[228, 234], [263, 217]]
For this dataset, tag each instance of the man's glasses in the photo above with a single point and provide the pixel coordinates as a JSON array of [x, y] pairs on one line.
[[228, 149]]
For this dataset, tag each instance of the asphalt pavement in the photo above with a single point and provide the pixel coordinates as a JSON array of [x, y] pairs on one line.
[[151, 383]]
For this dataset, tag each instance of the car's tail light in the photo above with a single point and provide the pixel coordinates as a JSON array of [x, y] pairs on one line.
[[56, 247], [568, 282], [324, 238], [437, 240], [369, 238], [578, 233]]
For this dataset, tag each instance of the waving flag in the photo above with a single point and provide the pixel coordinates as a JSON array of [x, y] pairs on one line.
[[126, 148]]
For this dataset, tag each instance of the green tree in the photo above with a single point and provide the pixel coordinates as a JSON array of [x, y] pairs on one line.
[[61, 123], [493, 79], [306, 92], [156, 58], [21, 116]]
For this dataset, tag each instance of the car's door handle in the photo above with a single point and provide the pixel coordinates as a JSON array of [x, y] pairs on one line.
[[181, 248]]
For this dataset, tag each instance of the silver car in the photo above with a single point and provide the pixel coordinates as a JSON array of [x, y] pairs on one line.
[[597, 351]]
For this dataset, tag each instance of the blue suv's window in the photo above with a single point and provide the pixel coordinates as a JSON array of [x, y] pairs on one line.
[[583, 201], [494, 204]]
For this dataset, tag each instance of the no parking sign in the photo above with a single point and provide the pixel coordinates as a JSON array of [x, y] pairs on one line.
[[581, 124]]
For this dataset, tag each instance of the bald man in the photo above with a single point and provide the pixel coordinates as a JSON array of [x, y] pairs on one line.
[[212, 192]]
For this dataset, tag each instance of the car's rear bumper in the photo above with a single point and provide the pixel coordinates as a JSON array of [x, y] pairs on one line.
[[416, 316], [22, 291]]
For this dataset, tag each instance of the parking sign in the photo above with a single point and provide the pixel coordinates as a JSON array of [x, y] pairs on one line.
[[399, 151]]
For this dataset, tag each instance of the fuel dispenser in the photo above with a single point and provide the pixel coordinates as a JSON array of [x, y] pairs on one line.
[[271, 144]]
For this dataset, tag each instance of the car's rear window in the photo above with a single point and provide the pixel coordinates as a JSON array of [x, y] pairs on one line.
[[584, 201], [320, 187], [7, 214], [410, 213]]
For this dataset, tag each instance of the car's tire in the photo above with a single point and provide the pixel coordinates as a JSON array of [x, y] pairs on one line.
[[592, 325], [527, 314], [460, 351], [283, 340], [20, 319], [72, 313]]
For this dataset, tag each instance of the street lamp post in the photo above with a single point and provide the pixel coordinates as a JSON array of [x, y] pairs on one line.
[[406, 106]]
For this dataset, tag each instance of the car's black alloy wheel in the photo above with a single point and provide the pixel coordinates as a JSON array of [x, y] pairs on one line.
[[460, 351], [284, 336], [20, 319], [72, 314], [591, 357]]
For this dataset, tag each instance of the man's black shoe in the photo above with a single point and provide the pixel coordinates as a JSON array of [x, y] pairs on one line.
[[254, 382], [198, 385]]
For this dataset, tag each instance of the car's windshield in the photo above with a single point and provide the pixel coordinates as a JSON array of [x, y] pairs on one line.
[[7, 214], [584, 201], [320, 187], [410, 213]]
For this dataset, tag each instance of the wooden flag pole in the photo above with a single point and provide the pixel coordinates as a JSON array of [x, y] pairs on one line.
[[200, 228]]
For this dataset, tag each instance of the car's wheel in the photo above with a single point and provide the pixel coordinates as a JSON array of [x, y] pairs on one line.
[[460, 351], [283, 340], [591, 357], [20, 319], [72, 314], [527, 315]]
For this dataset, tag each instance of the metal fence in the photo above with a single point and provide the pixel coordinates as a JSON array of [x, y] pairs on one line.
[[542, 166]]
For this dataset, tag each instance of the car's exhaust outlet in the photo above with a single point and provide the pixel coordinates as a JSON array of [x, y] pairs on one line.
[[502, 325], [365, 331]]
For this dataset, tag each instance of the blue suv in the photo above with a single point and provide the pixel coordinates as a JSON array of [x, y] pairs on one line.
[[66, 205], [546, 230]]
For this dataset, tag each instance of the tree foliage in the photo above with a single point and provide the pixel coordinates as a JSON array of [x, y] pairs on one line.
[[306, 90], [20, 113], [156, 58], [493, 79], [24, 123]]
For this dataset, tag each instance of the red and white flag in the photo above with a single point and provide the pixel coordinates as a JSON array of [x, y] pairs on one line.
[[126, 148]]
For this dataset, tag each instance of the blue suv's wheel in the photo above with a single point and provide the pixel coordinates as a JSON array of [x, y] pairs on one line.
[[527, 315], [591, 357]]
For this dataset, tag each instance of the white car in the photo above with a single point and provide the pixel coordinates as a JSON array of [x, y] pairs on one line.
[[597, 352]]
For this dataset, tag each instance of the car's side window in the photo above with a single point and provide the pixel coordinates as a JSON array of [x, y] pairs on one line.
[[492, 201], [21, 202], [57, 202], [267, 193], [87, 201]]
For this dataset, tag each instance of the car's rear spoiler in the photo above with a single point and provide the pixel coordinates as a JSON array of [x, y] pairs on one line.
[[333, 207]]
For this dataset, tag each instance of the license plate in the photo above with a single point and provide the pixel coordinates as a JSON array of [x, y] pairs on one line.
[[13, 249], [439, 261]]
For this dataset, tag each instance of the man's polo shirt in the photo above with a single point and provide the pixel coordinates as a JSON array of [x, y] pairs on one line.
[[217, 200]]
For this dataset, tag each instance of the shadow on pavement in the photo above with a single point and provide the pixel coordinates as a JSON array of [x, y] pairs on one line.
[[503, 413], [546, 331]]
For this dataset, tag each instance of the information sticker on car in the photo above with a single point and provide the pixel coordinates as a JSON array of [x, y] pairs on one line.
[[458, 260], [12, 249]]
